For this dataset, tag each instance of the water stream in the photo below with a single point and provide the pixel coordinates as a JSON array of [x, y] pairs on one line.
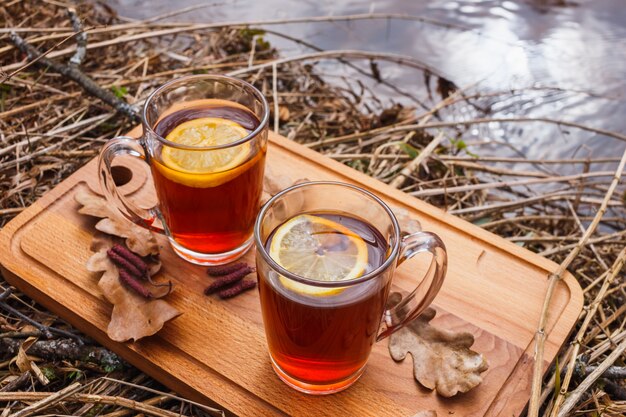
[[580, 47]]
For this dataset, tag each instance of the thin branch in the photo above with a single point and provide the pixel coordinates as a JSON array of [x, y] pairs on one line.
[[73, 73], [575, 395], [46, 331], [438, 125], [41, 56], [589, 242], [500, 184], [342, 53], [91, 398], [558, 195], [414, 165], [275, 98], [49, 401]]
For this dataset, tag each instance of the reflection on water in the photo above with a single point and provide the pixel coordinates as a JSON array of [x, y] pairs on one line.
[[581, 47]]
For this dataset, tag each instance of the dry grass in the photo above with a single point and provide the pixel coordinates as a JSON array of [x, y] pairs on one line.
[[49, 127]]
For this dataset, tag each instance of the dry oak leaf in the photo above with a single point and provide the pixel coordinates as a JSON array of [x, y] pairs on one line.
[[25, 363], [442, 359], [139, 240], [133, 317]]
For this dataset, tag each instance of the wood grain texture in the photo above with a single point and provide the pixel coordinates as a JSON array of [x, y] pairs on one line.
[[216, 352]]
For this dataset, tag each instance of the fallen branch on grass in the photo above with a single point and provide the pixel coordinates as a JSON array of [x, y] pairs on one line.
[[75, 74]]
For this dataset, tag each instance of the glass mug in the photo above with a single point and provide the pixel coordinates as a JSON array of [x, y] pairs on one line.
[[320, 339], [205, 140]]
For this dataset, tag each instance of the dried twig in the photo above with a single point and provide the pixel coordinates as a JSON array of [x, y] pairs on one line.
[[49, 400], [73, 73], [575, 395], [344, 54], [90, 398], [415, 163]]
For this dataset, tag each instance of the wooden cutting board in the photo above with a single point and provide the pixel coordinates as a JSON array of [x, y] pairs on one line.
[[216, 351]]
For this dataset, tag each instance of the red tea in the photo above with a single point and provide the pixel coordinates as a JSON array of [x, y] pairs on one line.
[[209, 199], [320, 335]]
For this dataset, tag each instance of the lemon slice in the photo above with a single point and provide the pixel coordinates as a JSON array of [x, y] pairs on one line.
[[204, 168], [318, 248]]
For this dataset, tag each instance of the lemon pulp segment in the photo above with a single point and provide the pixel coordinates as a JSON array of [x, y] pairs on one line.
[[318, 248], [204, 168]]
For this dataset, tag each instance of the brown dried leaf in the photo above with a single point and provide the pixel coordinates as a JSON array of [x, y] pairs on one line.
[[24, 363], [442, 359], [138, 239], [133, 317]]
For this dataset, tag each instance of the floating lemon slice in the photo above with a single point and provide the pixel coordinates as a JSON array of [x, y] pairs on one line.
[[317, 248], [204, 168]]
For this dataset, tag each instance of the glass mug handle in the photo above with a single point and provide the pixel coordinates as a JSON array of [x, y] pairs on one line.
[[410, 306], [124, 145]]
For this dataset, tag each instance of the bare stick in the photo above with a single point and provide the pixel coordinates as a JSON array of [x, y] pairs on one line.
[[347, 53], [500, 184], [575, 395], [593, 308], [46, 331], [158, 400], [199, 26], [453, 158], [558, 195], [438, 125], [49, 401], [172, 396], [17, 383], [582, 230], [415, 163], [90, 398], [554, 278], [590, 241], [73, 73], [19, 67]]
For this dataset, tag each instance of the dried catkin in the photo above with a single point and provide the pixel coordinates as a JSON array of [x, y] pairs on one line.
[[131, 282], [219, 270], [228, 279], [237, 289]]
